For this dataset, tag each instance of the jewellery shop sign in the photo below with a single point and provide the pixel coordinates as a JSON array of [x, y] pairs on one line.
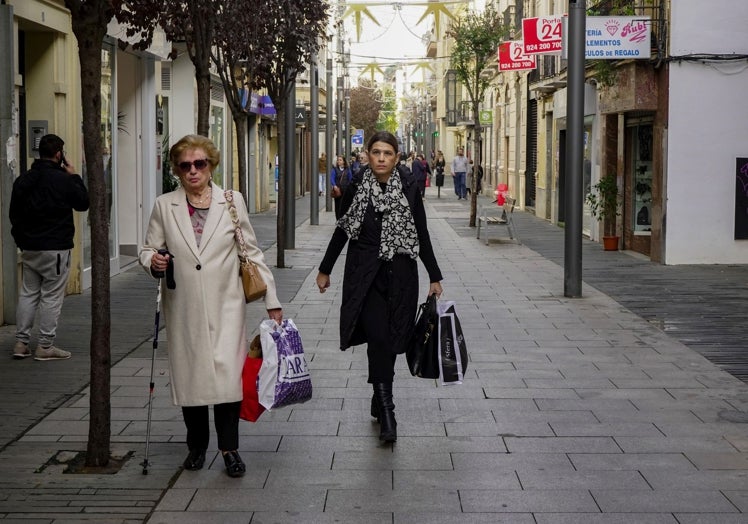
[[617, 38]]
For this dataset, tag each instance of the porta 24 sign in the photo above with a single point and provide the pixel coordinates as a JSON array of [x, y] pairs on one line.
[[542, 35], [513, 58], [617, 38]]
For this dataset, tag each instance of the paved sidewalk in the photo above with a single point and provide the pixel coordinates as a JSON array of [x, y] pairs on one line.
[[572, 411]]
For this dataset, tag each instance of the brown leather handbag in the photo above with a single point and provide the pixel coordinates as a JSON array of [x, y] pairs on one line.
[[254, 286]]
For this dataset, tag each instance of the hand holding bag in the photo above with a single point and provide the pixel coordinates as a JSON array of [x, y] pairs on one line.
[[284, 375], [254, 286], [422, 352]]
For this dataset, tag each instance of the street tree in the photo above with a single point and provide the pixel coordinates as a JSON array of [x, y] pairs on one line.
[[387, 120], [477, 36], [89, 21], [366, 105], [192, 22], [284, 34], [235, 25]]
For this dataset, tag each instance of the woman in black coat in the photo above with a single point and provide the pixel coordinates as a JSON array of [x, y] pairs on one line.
[[384, 218]]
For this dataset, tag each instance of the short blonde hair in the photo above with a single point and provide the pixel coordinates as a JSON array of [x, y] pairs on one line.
[[189, 142]]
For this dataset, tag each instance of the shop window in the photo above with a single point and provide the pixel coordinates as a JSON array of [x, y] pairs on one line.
[[642, 179]]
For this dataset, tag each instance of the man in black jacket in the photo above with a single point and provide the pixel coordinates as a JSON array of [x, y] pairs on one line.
[[41, 216]]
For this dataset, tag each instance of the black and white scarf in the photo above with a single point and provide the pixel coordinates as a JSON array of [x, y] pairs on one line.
[[399, 235]]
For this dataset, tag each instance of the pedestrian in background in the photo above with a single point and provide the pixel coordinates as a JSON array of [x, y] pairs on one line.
[[460, 167], [206, 312], [322, 173], [363, 163], [384, 218], [340, 177], [42, 225], [421, 170]]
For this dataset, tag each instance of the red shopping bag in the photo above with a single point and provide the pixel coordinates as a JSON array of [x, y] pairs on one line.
[[251, 409], [428, 181]]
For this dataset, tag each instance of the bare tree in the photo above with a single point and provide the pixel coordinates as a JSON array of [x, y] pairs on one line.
[[189, 21], [284, 33]]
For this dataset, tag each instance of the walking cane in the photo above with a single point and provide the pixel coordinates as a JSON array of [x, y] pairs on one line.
[[153, 364]]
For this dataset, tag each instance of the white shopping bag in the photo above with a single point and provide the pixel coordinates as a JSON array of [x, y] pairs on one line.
[[452, 352]]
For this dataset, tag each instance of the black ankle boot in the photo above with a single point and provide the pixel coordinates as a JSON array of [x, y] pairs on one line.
[[388, 429], [374, 407]]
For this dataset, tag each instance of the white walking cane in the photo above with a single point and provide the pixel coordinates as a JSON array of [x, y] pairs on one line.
[[146, 463]]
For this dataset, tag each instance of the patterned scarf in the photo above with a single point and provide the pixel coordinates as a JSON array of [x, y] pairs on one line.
[[399, 235]]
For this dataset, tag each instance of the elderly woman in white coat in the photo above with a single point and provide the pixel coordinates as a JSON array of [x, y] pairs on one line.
[[205, 312]]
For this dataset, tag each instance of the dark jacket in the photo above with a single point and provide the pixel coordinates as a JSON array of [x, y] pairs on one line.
[[362, 265], [420, 170], [41, 207]]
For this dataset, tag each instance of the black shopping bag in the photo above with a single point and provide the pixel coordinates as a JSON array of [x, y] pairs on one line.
[[422, 352]]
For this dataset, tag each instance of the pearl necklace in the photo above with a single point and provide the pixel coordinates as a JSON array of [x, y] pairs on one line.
[[203, 199]]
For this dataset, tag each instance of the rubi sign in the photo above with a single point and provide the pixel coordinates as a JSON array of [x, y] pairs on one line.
[[616, 38], [542, 35], [513, 58]]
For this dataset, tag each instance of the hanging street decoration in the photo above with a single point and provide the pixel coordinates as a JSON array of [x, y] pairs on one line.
[[372, 68], [432, 8], [357, 10]]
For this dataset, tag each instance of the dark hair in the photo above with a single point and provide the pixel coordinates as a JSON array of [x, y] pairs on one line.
[[383, 136], [49, 145], [345, 162]]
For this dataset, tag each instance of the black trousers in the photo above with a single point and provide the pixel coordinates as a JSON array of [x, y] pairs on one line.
[[375, 324], [226, 419]]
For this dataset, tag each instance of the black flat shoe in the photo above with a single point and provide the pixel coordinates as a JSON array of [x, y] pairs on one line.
[[234, 465], [195, 460]]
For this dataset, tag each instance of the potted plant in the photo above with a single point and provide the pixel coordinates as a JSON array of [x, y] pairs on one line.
[[603, 202]]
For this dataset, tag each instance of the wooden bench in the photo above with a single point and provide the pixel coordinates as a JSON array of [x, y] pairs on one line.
[[488, 216]]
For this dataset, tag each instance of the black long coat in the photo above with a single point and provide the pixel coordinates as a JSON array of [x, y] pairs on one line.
[[361, 268]]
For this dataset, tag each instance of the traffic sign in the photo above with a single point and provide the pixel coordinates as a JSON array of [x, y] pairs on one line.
[[357, 138]]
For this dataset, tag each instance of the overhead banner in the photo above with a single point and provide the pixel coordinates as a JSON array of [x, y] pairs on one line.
[[617, 37], [513, 58], [542, 35]]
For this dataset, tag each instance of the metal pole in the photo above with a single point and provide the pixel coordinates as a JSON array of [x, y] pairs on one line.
[[314, 130], [347, 123], [290, 169], [575, 151], [7, 169], [328, 133], [339, 99]]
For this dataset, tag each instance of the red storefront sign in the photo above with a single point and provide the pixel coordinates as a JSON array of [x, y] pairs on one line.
[[513, 58], [542, 35]]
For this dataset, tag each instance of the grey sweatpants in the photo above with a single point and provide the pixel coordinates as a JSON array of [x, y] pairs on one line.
[[45, 276]]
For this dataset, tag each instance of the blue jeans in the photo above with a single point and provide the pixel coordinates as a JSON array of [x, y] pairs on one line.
[[460, 188]]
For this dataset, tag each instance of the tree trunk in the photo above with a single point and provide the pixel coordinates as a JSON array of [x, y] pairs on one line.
[[203, 101], [240, 123], [476, 163], [90, 37], [281, 196]]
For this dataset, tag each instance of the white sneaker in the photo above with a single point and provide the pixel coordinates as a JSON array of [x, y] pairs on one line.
[[51, 353], [21, 350]]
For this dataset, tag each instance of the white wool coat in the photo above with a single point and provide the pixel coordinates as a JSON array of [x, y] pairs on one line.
[[205, 314]]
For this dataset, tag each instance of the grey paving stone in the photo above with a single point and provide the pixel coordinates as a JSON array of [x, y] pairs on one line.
[[649, 501], [561, 445], [380, 500], [711, 518], [535, 501], [511, 461], [602, 429], [631, 461], [249, 500], [579, 480], [196, 517], [607, 518], [674, 444], [728, 461], [386, 458], [461, 518], [738, 496]]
